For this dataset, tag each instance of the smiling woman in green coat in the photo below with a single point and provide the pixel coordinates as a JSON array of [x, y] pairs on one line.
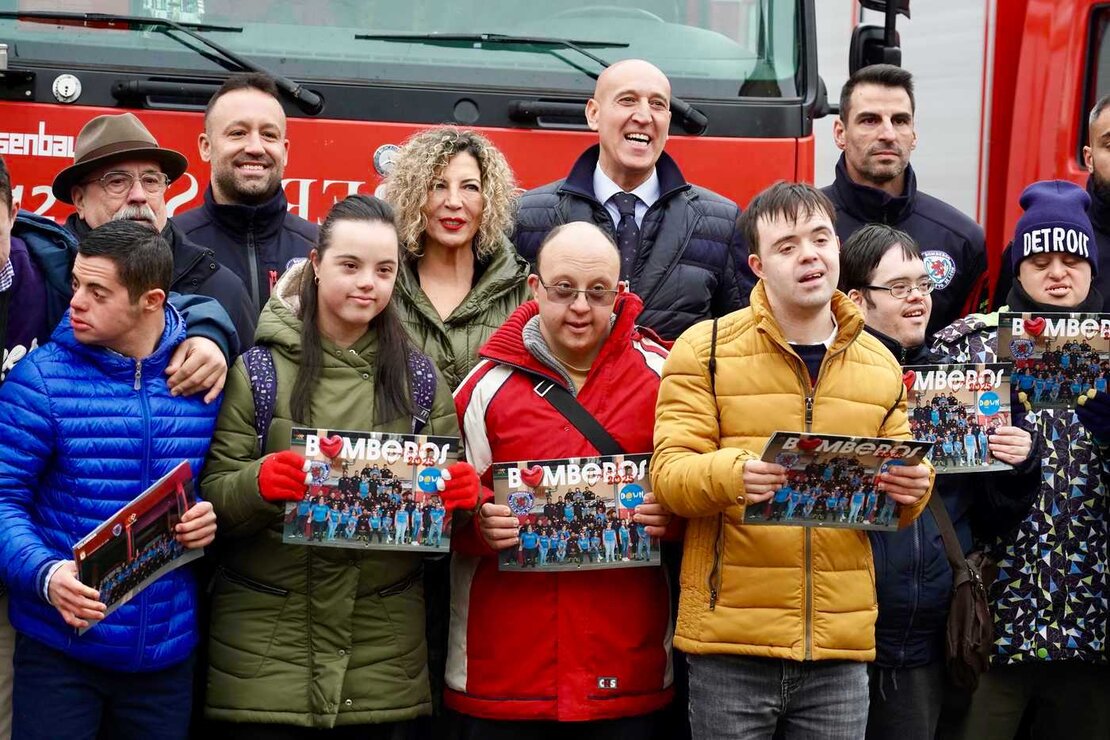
[[310, 636], [460, 276]]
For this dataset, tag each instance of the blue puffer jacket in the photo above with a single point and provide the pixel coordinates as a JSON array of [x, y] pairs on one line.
[[913, 580], [692, 263], [80, 441]]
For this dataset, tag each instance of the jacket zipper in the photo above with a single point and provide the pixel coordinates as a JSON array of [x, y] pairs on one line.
[[715, 571], [252, 258], [144, 402], [810, 389], [917, 566]]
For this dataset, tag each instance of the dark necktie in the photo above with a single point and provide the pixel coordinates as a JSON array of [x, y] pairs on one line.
[[628, 233]]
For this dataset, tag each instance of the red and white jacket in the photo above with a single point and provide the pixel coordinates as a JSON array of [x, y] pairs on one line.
[[556, 646]]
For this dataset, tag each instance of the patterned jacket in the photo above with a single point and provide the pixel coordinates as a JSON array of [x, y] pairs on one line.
[[1049, 599]]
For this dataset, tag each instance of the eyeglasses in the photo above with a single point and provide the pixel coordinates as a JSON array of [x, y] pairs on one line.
[[119, 183], [902, 290], [563, 293]]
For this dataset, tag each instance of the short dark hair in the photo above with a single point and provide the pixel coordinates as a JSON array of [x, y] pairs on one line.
[[5, 185], [1100, 106], [883, 75], [789, 199], [244, 81], [562, 227], [861, 253], [142, 257]]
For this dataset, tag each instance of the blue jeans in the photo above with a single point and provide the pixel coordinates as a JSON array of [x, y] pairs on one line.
[[55, 696], [736, 697]]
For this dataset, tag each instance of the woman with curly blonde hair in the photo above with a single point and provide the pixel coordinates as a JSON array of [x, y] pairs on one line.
[[453, 194]]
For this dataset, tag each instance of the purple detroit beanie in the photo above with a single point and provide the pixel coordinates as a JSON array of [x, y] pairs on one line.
[[1055, 221]]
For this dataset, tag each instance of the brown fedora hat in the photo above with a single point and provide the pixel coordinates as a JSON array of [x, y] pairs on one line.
[[108, 138]]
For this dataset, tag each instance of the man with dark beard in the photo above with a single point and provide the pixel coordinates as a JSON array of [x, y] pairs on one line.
[[875, 183], [245, 216], [1096, 155]]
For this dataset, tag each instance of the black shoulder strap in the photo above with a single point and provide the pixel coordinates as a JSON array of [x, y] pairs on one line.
[[567, 405], [422, 384], [952, 547]]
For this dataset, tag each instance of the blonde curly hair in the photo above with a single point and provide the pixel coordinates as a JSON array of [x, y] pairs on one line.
[[422, 158]]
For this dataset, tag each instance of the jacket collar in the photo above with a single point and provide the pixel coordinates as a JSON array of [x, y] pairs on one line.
[[1099, 211], [503, 273], [580, 181], [1020, 302], [187, 255], [849, 321], [918, 355], [506, 345], [870, 204], [115, 365], [52, 247], [263, 221]]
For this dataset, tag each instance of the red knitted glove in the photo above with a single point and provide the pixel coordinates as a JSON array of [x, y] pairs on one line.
[[283, 476], [459, 487]]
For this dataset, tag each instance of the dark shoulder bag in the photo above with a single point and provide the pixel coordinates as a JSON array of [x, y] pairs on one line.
[[970, 632]]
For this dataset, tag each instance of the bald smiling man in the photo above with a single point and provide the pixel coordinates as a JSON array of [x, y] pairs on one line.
[[679, 243]]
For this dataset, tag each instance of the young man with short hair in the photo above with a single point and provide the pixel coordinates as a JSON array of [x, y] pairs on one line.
[[881, 271], [90, 423], [777, 621]]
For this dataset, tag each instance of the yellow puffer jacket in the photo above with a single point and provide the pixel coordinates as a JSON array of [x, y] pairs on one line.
[[798, 593]]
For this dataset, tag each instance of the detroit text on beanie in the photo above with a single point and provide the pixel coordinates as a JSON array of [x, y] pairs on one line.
[[1055, 222]]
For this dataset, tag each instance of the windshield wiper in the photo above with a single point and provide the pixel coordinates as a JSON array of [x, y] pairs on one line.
[[499, 38], [691, 119], [307, 100]]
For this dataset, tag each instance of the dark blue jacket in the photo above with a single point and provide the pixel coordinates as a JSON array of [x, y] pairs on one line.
[[913, 579], [952, 245], [80, 441], [53, 248], [692, 263], [257, 243]]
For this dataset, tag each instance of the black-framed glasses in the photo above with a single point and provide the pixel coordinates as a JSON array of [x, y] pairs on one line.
[[903, 290], [565, 294], [119, 182]]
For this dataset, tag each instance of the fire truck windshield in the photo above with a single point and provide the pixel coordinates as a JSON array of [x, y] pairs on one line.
[[711, 49]]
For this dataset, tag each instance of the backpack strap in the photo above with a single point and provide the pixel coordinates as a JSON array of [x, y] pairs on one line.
[[422, 386], [263, 379]]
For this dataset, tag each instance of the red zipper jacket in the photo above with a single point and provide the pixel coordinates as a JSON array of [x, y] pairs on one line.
[[556, 646]]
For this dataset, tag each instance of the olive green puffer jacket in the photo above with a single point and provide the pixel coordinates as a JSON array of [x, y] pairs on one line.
[[453, 344], [308, 636]]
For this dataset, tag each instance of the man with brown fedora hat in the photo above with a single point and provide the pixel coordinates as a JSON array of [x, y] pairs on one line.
[[120, 172]]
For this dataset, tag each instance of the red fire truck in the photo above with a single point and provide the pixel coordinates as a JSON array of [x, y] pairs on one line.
[[369, 74], [362, 75]]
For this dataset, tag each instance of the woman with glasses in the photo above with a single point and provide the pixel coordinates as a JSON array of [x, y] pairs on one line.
[[460, 279]]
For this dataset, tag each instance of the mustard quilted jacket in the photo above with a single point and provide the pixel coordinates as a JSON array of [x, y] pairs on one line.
[[797, 593]]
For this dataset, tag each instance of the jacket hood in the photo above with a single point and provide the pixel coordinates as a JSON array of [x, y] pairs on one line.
[[849, 321], [262, 221], [504, 272], [51, 246], [114, 364], [506, 346], [870, 204], [580, 181], [280, 322]]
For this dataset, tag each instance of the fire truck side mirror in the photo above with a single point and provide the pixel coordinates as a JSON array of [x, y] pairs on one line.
[[821, 106], [869, 47]]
